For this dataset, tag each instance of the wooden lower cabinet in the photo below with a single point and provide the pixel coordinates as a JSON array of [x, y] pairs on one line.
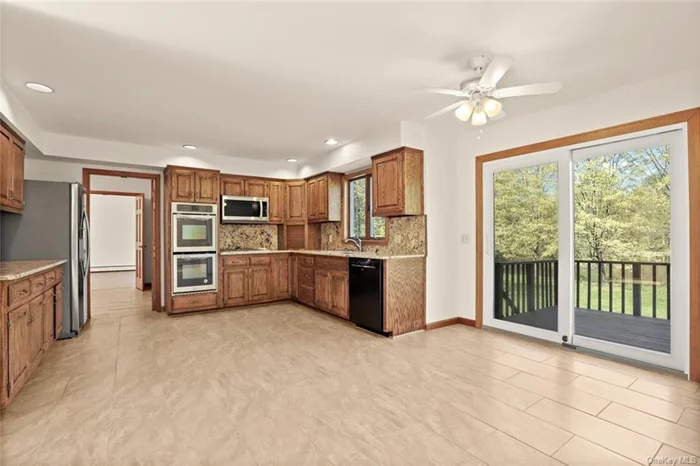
[[31, 310], [260, 283], [255, 279], [322, 289], [235, 282], [339, 294]]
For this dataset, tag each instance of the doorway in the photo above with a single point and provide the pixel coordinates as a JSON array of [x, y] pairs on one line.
[[586, 245], [134, 241]]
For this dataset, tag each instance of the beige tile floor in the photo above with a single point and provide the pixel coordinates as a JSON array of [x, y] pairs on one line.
[[283, 384]]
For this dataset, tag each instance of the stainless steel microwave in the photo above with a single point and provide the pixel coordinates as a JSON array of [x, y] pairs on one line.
[[242, 209]]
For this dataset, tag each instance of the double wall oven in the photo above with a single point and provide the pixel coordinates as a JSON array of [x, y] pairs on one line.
[[194, 239]]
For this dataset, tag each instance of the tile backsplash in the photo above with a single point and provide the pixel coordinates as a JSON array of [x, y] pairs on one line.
[[407, 235], [243, 236]]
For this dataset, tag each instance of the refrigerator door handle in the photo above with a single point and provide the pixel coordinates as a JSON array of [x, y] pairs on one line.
[[87, 243]]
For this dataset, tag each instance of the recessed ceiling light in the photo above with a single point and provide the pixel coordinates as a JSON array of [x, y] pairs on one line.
[[39, 87], [190, 147], [331, 142], [292, 160]]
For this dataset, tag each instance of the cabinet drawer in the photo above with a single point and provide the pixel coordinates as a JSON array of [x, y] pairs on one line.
[[38, 284], [306, 260], [18, 292], [194, 302], [50, 278], [338, 264], [306, 294], [234, 261], [306, 276], [256, 260]]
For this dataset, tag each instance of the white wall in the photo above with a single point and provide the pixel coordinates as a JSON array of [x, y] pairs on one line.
[[112, 232], [674, 92]]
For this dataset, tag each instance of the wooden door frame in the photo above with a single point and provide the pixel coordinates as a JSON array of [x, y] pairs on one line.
[[156, 281], [692, 118]]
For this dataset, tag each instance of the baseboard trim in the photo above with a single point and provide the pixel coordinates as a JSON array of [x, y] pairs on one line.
[[112, 268], [451, 321]]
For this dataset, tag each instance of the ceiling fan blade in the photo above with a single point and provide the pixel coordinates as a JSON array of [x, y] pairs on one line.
[[435, 90], [495, 71], [528, 89], [446, 109]]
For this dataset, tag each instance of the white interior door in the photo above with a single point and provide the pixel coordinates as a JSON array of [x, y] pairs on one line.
[[527, 237]]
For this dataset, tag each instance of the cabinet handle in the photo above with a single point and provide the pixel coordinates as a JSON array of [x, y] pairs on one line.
[[23, 292]]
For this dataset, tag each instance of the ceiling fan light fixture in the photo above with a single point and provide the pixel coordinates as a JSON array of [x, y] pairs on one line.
[[491, 107], [464, 111], [479, 116]]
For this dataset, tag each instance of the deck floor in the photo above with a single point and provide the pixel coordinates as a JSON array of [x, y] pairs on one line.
[[640, 332]]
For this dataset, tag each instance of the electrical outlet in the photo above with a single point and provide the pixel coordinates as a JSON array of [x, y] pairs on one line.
[[464, 238]]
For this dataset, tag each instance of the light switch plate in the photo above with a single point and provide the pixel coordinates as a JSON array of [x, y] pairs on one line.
[[464, 238]]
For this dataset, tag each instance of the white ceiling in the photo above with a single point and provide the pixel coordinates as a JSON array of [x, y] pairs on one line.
[[274, 80]]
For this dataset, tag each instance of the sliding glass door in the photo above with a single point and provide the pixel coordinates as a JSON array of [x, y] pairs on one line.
[[587, 245]]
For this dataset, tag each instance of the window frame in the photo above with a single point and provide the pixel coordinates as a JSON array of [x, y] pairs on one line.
[[366, 173]]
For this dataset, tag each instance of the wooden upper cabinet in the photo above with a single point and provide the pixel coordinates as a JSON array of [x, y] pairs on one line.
[[193, 185], [276, 206], [206, 187], [397, 183], [232, 186], [256, 188], [182, 185], [324, 198], [295, 194], [11, 172]]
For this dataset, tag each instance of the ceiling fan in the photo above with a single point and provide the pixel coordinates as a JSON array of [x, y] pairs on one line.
[[479, 91]]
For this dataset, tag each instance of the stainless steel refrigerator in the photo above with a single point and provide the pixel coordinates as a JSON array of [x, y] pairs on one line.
[[54, 226]]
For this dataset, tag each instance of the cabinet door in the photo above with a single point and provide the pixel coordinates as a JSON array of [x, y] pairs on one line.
[[17, 188], [296, 201], [232, 186], [256, 188], [322, 198], [281, 277], [293, 277], [18, 345], [322, 293], [235, 286], [312, 200], [339, 294], [48, 318], [207, 187], [6, 169], [58, 310], [276, 206], [182, 185], [260, 283], [36, 329], [387, 185]]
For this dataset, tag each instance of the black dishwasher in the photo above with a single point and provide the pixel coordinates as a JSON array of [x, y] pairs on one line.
[[367, 294]]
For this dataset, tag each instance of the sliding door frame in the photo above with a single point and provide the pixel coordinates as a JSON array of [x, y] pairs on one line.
[[690, 120]]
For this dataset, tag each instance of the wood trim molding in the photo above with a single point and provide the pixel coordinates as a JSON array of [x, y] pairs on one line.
[[692, 118], [115, 193], [156, 223], [451, 321]]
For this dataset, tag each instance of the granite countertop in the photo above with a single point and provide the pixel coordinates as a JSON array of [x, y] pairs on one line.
[[19, 269], [362, 255]]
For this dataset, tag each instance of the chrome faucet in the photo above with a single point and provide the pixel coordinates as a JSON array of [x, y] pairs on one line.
[[356, 241]]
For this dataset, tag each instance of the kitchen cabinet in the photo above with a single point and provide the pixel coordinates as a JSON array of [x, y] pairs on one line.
[[232, 185], [397, 183], [295, 197], [276, 206], [324, 198], [58, 310], [331, 280], [260, 283], [28, 313], [281, 278], [48, 318], [322, 289], [256, 188], [11, 172], [192, 185], [339, 294], [206, 187], [235, 286]]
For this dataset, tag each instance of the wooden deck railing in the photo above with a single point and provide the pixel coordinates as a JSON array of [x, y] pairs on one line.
[[636, 288]]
